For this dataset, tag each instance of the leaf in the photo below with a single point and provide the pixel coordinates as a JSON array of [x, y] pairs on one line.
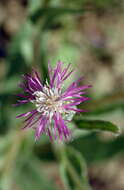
[[74, 171], [95, 149], [97, 125], [52, 12]]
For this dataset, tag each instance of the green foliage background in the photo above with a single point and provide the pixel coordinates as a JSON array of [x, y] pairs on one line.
[[53, 30]]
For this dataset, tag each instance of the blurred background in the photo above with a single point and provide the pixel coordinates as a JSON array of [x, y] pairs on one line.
[[90, 35]]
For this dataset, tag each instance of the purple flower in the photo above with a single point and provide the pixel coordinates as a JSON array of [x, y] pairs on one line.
[[54, 107]]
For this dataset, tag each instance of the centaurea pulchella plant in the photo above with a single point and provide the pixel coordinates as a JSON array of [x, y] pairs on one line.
[[54, 107]]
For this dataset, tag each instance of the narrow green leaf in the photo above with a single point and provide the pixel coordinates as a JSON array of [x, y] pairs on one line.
[[97, 125], [74, 170], [53, 12]]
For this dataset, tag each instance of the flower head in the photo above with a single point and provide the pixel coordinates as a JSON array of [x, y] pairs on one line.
[[53, 106]]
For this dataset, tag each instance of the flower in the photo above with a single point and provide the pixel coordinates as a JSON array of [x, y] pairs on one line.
[[54, 107]]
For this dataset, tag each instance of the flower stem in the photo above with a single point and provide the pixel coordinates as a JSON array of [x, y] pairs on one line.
[[60, 153]]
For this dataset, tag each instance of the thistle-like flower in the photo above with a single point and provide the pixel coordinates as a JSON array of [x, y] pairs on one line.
[[54, 106]]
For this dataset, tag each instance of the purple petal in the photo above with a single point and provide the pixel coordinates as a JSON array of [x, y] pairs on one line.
[[41, 128], [68, 75], [65, 71], [32, 120], [76, 109], [26, 114]]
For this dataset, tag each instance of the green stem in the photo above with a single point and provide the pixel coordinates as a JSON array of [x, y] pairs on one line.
[[60, 153], [75, 177]]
